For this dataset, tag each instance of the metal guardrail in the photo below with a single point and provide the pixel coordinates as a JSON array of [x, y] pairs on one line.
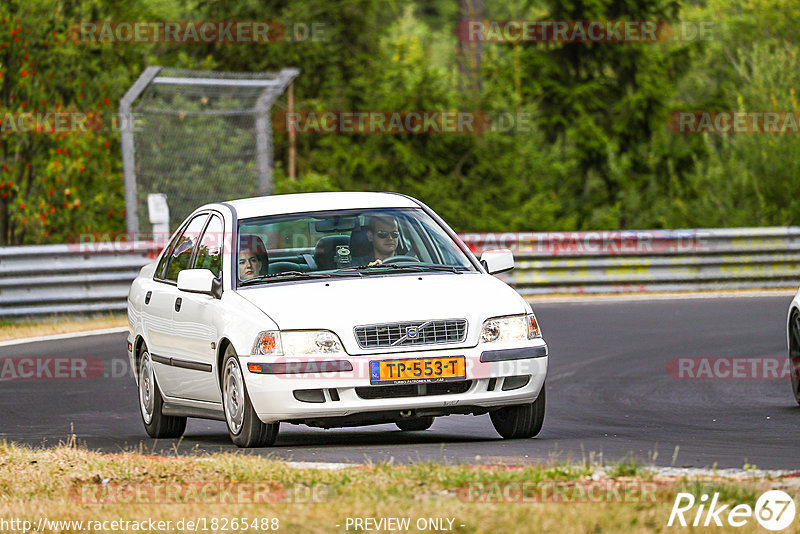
[[649, 260], [80, 278], [74, 278]]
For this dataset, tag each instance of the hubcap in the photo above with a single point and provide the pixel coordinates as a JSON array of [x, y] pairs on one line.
[[233, 395], [146, 388]]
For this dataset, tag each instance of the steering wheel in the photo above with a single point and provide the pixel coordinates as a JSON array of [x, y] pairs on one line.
[[398, 259]]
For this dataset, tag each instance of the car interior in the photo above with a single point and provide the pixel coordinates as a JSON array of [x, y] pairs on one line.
[[330, 252], [338, 240]]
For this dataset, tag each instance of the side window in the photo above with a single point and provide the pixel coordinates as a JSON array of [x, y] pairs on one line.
[[163, 261], [406, 243], [209, 253], [182, 253]]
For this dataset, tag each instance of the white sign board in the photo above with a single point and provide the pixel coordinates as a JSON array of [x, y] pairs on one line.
[[159, 212]]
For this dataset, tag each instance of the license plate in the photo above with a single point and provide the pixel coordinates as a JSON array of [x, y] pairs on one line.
[[417, 370]]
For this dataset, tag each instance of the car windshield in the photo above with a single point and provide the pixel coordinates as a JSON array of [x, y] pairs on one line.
[[346, 242]]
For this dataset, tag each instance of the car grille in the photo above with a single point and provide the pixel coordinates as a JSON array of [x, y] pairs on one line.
[[413, 390], [402, 334]]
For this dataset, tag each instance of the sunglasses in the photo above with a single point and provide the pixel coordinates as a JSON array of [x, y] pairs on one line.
[[383, 235]]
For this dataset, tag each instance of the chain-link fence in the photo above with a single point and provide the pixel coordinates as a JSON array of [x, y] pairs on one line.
[[197, 137]]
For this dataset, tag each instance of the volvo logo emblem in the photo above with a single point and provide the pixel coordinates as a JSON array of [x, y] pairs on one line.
[[412, 332]]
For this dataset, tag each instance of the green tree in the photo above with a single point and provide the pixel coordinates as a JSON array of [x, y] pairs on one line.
[[68, 180]]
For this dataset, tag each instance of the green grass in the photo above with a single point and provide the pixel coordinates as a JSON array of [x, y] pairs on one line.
[[67, 482], [58, 324]]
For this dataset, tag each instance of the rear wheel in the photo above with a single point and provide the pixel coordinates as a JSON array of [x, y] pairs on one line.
[[244, 426], [417, 423], [794, 354], [156, 424], [521, 421]]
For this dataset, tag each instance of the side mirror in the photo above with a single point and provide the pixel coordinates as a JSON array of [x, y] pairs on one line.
[[497, 261], [200, 281]]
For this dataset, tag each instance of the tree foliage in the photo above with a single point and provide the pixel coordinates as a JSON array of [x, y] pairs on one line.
[[595, 153]]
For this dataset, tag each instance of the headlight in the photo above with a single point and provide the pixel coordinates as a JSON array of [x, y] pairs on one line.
[[297, 343], [311, 342], [515, 328]]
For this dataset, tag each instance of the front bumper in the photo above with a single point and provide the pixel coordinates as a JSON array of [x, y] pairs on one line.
[[341, 387]]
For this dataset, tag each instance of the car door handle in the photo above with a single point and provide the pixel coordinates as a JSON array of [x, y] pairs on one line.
[[178, 302], [147, 297]]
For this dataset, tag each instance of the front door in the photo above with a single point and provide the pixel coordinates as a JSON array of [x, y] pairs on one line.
[[164, 353], [195, 332]]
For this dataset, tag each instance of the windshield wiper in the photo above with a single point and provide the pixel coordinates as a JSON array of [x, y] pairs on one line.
[[286, 274], [446, 268], [350, 271], [413, 267]]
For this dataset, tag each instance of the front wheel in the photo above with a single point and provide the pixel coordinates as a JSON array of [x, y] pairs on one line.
[[244, 426], [521, 421], [794, 354], [156, 424]]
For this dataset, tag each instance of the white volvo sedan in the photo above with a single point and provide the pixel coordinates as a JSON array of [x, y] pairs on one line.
[[330, 310]]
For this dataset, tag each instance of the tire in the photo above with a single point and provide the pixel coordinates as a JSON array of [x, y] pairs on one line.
[[156, 424], [415, 424], [244, 426], [794, 354], [521, 421]]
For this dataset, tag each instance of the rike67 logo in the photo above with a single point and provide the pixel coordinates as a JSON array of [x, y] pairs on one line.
[[774, 510]]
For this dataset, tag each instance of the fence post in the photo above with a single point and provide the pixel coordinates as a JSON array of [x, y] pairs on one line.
[[128, 148]]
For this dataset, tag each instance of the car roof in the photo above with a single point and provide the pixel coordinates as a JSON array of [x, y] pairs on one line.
[[302, 202]]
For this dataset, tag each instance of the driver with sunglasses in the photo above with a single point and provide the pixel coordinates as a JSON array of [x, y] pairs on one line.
[[384, 236]]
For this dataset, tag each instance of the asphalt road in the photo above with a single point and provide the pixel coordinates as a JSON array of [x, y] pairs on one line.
[[609, 396]]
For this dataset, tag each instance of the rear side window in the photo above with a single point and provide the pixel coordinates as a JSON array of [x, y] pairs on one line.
[[181, 255], [209, 253]]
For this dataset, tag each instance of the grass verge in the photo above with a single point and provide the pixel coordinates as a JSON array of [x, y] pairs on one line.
[[58, 325], [69, 483]]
